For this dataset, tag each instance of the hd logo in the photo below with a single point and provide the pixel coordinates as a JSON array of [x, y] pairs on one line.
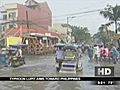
[[104, 71]]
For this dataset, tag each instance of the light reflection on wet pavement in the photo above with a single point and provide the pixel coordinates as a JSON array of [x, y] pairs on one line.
[[37, 66]]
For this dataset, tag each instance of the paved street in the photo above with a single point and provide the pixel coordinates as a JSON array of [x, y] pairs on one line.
[[37, 66]]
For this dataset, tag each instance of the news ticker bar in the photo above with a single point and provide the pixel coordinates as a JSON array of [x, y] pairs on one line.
[[59, 78]]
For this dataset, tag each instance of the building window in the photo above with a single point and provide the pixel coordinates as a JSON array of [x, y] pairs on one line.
[[4, 17], [12, 15]]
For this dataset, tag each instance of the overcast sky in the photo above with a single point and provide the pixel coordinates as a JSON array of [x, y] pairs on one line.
[[62, 7]]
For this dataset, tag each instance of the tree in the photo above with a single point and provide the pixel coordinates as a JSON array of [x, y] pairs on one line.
[[112, 13], [81, 34], [102, 35]]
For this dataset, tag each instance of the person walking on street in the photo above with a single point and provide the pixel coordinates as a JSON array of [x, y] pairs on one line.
[[90, 52], [79, 52], [114, 54], [101, 52], [96, 52], [105, 53]]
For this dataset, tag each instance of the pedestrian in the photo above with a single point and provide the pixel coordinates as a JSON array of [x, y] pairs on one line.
[[105, 53], [79, 51], [90, 52], [114, 54], [101, 52], [83, 48], [96, 52]]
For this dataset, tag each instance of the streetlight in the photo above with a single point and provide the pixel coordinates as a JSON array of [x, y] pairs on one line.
[[68, 26]]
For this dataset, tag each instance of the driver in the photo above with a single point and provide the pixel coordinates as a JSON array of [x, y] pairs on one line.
[[59, 56], [19, 52]]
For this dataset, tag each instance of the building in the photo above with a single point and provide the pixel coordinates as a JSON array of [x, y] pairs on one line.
[[33, 19], [30, 15], [59, 28]]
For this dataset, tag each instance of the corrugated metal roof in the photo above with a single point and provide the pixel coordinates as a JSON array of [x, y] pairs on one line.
[[23, 31]]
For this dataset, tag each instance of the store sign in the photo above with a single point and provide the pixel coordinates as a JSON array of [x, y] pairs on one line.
[[47, 34], [44, 38], [116, 36]]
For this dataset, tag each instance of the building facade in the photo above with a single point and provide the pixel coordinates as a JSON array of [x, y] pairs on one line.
[[30, 15]]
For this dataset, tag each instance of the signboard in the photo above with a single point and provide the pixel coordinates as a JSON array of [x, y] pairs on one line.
[[116, 36], [39, 34], [44, 38], [47, 34], [13, 40]]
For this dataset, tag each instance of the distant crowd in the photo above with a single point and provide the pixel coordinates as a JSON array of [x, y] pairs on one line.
[[103, 53]]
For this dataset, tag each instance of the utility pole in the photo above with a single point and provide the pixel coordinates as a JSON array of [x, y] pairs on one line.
[[68, 27], [27, 22], [27, 19]]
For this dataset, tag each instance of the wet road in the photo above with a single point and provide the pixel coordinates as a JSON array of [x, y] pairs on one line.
[[37, 66]]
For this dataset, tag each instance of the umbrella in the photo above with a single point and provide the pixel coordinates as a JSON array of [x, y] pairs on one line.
[[71, 47]]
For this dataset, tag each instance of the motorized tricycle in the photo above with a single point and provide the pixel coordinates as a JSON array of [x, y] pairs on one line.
[[15, 58], [71, 62]]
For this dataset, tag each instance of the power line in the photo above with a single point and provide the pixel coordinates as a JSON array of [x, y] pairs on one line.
[[42, 26], [71, 14], [25, 22], [74, 16], [90, 11], [78, 13]]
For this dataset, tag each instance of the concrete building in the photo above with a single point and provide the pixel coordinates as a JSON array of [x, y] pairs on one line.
[[31, 15], [57, 27], [33, 18]]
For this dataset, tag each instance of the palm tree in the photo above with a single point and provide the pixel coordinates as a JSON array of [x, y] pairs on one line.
[[113, 14], [103, 33]]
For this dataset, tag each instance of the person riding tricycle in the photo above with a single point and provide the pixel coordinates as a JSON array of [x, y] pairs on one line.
[[59, 56], [16, 57]]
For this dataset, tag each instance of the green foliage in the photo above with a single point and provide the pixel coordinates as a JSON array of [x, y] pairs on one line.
[[112, 13], [103, 35], [81, 34]]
